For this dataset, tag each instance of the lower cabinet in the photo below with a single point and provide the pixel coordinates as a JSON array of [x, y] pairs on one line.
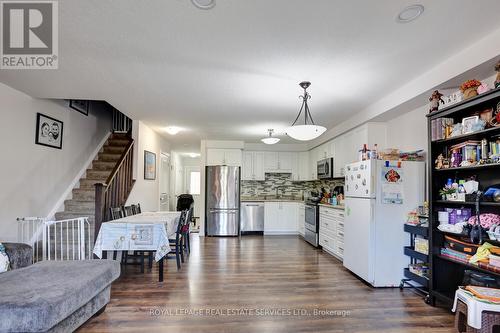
[[331, 230], [302, 219], [281, 218]]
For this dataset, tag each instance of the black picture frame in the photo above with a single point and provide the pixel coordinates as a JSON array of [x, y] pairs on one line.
[[149, 165], [49, 131], [80, 105]]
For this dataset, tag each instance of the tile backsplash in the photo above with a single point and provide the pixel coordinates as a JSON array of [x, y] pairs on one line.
[[284, 182]]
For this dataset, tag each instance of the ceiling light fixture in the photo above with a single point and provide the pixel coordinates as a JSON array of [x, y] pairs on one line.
[[193, 155], [270, 140], [308, 130], [410, 13], [173, 130], [204, 4]]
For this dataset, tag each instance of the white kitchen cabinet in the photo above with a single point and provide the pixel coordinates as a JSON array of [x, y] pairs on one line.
[[326, 150], [258, 166], [247, 166], [313, 164], [301, 219], [217, 156], [331, 230], [281, 218], [278, 162], [253, 166], [300, 171]]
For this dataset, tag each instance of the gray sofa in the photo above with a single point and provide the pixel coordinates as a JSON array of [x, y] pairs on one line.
[[52, 296]]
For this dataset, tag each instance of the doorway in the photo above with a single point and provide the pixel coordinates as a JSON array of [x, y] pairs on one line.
[[192, 184], [165, 182]]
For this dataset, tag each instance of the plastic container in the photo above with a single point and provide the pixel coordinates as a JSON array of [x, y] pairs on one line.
[[494, 260]]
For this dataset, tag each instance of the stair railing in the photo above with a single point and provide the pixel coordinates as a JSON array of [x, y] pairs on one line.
[[115, 191]]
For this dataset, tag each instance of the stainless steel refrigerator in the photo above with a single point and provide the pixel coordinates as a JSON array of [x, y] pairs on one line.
[[223, 200]]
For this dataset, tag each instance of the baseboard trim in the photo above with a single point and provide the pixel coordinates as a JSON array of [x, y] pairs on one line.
[[280, 232], [57, 207]]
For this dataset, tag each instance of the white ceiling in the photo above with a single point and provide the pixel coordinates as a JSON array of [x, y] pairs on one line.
[[233, 72]]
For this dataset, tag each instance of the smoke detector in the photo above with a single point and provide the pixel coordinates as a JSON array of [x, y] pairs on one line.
[[410, 13], [204, 4]]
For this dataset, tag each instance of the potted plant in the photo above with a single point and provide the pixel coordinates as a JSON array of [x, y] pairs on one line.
[[447, 193], [469, 88]]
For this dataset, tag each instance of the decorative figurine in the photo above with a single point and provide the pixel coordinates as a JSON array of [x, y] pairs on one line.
[[469, 88], [446, 163], [435, 99], [439, 162], [497, 81]]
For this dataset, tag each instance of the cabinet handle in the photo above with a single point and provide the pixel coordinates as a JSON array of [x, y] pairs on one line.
[[341, 234], [326, 224], [325, 240]]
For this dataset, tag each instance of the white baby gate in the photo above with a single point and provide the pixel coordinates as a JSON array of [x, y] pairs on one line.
[[57, 240]]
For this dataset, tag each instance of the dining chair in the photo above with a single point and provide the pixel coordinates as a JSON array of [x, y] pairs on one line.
[[115, 213], [177, 242], [128, 211], [138, 209], [186, 245]]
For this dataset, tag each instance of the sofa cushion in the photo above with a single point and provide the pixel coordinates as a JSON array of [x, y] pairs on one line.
[[20, 255], [37, 297]]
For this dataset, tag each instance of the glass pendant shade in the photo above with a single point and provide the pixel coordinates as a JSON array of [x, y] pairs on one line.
[[305, 132], [270, 140]]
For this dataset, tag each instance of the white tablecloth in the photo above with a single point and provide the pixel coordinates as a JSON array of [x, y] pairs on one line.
[[475, 308], [148, 231]]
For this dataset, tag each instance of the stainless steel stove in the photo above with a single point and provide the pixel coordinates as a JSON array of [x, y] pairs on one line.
[[312, 223]]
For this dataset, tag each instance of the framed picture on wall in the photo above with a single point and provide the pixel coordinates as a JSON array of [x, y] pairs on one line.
[[49, 131], [80, 105], [149, 165]]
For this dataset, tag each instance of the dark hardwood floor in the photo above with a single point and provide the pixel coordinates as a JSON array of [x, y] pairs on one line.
[[227, 285]]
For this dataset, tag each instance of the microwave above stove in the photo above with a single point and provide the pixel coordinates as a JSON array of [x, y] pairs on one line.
[[325, 168]]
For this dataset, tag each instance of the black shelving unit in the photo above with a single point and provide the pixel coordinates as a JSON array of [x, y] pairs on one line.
[[447, 274], [416, 282]]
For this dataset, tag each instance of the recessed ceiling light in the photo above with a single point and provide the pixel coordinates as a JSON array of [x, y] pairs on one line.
[[204, 4], [193, 155], [173, 130], [410, 13]]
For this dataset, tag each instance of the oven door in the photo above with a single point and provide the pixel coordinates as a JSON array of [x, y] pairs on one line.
[[311, 218]]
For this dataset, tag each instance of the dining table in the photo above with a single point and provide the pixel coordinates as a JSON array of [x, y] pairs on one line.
[[147, 231]]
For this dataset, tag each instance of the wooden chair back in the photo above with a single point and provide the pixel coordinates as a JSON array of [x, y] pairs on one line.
[[115, 213], [128, 211]]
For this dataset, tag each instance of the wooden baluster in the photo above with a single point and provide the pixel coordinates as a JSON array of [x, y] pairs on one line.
[[99, 207]]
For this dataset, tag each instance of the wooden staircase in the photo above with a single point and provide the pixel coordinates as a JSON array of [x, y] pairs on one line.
[[105, 164]]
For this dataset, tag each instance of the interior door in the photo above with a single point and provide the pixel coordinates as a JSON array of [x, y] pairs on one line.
[[358, 237]]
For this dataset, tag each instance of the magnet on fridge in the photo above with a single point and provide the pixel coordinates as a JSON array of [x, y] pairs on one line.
[[399, 164], [386, 164]]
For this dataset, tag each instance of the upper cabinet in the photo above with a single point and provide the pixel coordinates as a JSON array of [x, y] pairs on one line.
[[217, 156], [253, 166], [279, 162], [326, 150]]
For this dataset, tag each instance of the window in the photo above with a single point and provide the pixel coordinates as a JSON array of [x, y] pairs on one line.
[[194, 182]]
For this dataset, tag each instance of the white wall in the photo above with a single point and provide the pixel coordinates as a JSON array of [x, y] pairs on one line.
[[33, 178], [146, 192], [408, 131]]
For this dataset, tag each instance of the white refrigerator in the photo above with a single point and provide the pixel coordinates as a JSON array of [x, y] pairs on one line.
[[377, 200]]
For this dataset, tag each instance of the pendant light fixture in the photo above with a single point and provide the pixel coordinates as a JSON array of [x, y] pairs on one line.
[[308, 130], [270, 140]]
